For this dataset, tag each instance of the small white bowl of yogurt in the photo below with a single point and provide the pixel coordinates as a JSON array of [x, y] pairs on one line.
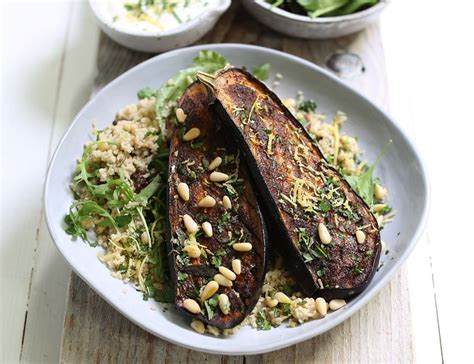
[[157, 25]]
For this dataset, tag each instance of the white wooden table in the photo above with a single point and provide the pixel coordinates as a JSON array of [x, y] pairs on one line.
[[48, 68]]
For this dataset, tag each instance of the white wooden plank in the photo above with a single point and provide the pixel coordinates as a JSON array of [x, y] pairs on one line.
[[425, 328], [432, 64], [50, 277], [32, 55]]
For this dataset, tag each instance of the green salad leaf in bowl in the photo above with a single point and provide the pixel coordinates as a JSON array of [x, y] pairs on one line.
[[323, 8]]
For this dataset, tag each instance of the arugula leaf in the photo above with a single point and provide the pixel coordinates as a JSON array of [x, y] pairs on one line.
[[168, 94], [317, 8], [210, 60], [354, 6], [148, 191], [89, 208], [73, 226], [146, 93], [363, 184], [261, 72], [123, 220]]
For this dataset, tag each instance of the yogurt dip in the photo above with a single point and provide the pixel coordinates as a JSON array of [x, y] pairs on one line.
[[155, 16]]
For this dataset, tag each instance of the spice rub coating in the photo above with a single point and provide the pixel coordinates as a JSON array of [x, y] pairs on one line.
[[216, 233], [328, 233]]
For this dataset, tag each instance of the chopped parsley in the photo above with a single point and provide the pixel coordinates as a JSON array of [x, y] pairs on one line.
[[310, 248], [262, 322], [211, 306], [307, 106]]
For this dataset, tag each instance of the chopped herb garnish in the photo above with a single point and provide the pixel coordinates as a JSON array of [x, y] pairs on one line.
[[182, 276], [285, 309], [307, 106], [211, 306], [262, 322], [310, 248], [324, 206]]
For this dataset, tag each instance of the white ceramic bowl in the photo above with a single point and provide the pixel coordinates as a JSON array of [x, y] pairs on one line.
[[301, 26], [156, 42], [400, 169]]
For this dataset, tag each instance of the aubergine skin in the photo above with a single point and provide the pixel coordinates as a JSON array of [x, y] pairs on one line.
[[188, 163], [294, 182]]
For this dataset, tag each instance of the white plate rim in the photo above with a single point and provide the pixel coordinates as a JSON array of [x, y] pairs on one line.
[[289, 340]]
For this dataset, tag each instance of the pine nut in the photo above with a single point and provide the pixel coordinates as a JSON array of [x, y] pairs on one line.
[[382, 246], [226, 272], [270, 302], [360, 236], [321, 306], [216, 162], [192, 134], [183, 191], [198, 326], [190, 224], [218, 177], [144, 238], [207, 228], [224, 303], [223, 281], [379, 192], [226, 203], [102, 146], [207, 202], [209, 290], [336, 304], [282, 298], [237, 266], [324, 235], [378, 207], [193, 251], [242, 247], [180, 115], [191, 305]]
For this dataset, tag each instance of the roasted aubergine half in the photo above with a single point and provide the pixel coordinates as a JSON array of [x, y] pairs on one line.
[[329, 237], [216, 233]]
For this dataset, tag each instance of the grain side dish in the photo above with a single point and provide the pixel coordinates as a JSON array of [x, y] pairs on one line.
[[120, 184]]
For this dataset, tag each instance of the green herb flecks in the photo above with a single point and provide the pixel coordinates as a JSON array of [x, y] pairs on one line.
[[307, 106], [310, 248], [262, 322], [211, 306]]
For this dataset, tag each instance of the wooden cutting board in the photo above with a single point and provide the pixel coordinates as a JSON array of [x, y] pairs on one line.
[[379, 332]]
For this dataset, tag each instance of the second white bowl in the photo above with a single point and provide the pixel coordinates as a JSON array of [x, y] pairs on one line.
[[157, 42], [301, 26]]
